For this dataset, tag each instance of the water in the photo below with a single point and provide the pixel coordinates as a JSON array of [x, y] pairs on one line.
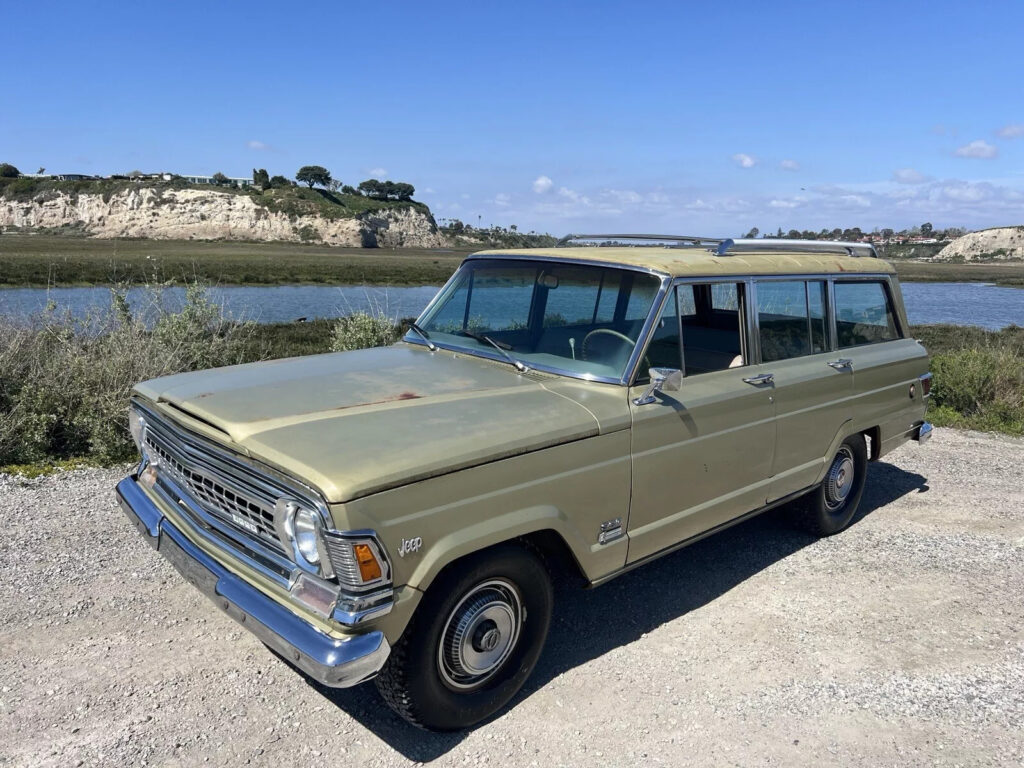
[[980, 304]]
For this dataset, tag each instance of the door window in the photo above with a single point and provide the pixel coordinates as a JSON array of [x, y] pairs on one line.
[[791, 318], [864, 314], [712, 327]]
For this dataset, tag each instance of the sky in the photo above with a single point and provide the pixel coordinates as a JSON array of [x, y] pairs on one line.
[[670, 117]]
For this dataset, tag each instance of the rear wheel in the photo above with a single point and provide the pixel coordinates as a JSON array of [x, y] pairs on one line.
[[473, 641], [831, 507]]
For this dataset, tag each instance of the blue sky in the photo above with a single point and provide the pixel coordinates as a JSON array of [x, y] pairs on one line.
[[557, 116]]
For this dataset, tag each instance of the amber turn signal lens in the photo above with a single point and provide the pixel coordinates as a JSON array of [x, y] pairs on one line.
[[369, 568]]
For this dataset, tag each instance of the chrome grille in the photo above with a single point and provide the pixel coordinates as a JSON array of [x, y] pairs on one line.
[[247, 511]]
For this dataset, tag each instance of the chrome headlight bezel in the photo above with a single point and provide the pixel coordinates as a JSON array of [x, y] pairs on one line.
[[300, 530], [137, 427]]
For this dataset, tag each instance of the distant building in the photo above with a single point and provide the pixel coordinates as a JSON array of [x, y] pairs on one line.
[[74, 177], [233, 181]]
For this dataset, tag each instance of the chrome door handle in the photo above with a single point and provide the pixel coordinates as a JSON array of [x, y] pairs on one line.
[[761, 378], [842, 364]]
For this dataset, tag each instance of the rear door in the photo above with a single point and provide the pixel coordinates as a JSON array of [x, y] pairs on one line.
[[702, 455], [810, 382], [870, 333]]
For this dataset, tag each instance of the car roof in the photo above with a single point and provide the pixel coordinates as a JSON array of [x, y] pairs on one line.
[[701, 262]]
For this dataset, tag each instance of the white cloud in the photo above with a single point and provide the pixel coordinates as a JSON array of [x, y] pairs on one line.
[[789, 165], [744, 161], [429, 191], [378, 173], [909, 176], [542, 184], [573, 195], [783, 203], [503, 200], [977, 149], [257, 145], [1012, 131]]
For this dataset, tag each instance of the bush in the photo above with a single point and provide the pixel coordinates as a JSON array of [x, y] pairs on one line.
[[362, 330], [64, 384], [979, 388]]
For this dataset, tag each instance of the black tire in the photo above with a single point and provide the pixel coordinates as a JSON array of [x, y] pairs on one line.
[[831, 507], [429, 678]]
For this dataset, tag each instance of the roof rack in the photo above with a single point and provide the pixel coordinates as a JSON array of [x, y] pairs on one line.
[[806, 246], [680, 239], [726, 246]]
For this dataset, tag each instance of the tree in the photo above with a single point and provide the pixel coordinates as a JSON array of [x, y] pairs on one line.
[[348, 189], [887, 233], [793, 234], [219, 179], [136, 174], [313, 174], [278, 182], [403, 191], [372, 188], [926, 229], [753, 233], [333, 185], [8, 171], [260, 178], [41, 171]]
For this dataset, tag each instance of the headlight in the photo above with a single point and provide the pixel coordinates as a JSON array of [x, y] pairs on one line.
[[301, 532], [306, 539], [136, 425]]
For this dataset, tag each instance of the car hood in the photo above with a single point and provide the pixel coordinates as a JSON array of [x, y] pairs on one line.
[[355, 423]]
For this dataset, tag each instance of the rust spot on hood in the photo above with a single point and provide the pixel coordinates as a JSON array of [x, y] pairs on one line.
[[392, 399]]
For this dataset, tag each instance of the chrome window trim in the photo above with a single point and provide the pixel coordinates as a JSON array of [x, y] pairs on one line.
[[635, 357]]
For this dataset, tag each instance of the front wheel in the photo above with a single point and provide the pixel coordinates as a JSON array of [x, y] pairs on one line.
[[473, 641], [831, 507]]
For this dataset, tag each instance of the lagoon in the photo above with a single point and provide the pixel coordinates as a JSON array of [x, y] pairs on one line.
[[982, 304]]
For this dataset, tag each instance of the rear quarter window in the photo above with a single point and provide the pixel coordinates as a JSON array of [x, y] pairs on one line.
[[864, 314]]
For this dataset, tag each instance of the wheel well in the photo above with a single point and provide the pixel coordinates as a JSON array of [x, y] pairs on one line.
[[874, 437], [556, 553]]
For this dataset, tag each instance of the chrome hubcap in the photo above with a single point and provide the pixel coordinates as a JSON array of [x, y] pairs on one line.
[[480, 634], [839, 479]]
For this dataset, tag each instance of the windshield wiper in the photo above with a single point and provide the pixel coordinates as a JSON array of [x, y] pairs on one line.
[[423, 335], [498, 345]]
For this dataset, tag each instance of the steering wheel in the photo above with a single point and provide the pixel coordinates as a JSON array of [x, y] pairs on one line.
[[609, 332]]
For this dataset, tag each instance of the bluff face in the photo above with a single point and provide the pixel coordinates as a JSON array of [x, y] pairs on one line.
[[199, 214], [1001, 243]]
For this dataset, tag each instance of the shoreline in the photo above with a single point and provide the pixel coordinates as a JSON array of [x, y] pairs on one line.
[[49, 261]]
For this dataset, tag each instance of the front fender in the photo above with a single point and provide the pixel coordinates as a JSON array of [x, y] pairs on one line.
[[487, 533]]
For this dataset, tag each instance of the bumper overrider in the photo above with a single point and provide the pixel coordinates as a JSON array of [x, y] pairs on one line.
[[334, 662]]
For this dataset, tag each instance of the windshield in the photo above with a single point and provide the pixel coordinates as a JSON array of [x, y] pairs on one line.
[[579, 320]]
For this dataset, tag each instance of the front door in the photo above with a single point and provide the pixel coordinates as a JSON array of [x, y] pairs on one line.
[[701, 456]]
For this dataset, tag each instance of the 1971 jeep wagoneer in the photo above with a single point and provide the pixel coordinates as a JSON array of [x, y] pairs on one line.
[[395, 513]]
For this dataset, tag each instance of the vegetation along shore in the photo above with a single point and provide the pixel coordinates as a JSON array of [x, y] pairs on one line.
[[64, 383], [40, 260]]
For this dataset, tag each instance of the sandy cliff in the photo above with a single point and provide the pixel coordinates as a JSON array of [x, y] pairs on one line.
[[1002, 243], [194, 214]]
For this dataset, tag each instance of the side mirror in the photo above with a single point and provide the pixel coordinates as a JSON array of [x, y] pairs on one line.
[[662, 380]]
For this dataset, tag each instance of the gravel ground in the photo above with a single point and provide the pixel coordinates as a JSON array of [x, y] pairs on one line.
[[900, 641]]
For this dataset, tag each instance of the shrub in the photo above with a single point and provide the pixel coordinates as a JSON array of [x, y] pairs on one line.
[[64, 383], [364, 329], [983, 386]]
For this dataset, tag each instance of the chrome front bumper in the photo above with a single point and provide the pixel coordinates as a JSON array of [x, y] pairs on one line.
[[328, 660]]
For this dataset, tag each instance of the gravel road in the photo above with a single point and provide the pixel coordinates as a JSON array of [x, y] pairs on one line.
[[901, 641]]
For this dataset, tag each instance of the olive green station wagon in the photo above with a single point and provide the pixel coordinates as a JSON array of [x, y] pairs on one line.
[[395, 513]]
